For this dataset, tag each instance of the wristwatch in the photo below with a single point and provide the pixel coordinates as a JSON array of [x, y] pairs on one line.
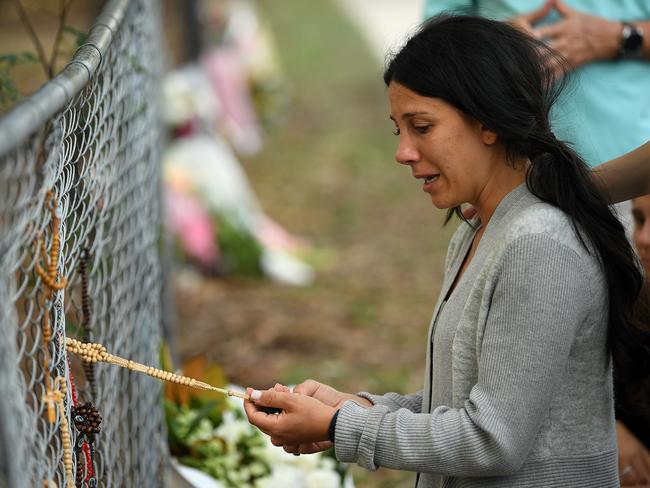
[[631, 42]]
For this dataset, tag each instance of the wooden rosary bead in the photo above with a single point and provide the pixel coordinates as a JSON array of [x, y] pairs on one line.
[[86, 418]]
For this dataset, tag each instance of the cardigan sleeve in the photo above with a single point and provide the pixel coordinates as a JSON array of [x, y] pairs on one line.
[[540, 297]]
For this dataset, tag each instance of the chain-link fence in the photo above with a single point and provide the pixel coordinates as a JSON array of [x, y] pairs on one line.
[[85, 149]]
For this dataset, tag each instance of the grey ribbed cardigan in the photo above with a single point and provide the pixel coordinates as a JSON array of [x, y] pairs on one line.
[[526, 399]]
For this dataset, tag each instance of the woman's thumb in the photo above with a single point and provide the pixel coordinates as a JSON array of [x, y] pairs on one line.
[[270, 398]]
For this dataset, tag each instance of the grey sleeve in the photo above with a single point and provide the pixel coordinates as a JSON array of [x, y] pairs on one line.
[[540, 297], [395, 401]]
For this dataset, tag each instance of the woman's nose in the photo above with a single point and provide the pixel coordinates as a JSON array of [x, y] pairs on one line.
[[406, 153]]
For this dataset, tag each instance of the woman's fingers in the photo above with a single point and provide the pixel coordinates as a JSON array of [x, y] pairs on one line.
[[307, 387], [306, 448], [265, 422], [291, 448], [282, 388], [314, 447]]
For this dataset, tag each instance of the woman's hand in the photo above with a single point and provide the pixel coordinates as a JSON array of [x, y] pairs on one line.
[[633, 458], [328, 395], [305, 448], [303, 423]]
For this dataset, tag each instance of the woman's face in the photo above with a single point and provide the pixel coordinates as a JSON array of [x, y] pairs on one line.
[[451, 153], [641, 213]]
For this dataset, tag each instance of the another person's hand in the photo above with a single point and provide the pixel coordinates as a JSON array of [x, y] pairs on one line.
[[526, 22], [581, 38], [303, 425], [327, 394], [633, 459]]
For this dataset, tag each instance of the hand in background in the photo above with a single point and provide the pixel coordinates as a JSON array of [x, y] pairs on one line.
[[633, 459], [581, 38], [526, 22]]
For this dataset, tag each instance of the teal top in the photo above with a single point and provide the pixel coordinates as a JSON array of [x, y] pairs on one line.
[[606, 111]]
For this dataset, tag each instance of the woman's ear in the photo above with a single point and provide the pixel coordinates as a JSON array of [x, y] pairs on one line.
[[488, 136]]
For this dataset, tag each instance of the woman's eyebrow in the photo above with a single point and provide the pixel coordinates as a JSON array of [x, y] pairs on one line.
[[408, 115]]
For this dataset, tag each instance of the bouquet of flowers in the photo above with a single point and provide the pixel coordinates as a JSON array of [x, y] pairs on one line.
[[212, 435]]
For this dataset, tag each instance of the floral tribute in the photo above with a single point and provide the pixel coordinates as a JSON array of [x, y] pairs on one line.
[[211, 433]]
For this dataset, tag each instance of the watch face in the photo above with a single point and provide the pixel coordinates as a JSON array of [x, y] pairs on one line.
[[633, 43]]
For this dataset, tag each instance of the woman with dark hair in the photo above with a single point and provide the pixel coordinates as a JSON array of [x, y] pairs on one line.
[[537, 301]]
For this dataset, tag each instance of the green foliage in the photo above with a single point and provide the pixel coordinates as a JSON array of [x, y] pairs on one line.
[[9, 92], [240, 251], [232, 456], [78, 36], [14, 59]]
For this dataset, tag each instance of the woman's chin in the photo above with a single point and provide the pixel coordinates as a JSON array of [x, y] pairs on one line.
[[443, 204]]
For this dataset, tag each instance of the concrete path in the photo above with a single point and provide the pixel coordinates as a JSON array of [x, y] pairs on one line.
[[384, 23]]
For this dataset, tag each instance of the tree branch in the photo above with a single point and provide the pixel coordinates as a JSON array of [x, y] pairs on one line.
[[63, 14], [30, 29]]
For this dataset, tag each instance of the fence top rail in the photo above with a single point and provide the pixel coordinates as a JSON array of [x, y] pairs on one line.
[[33, 112]]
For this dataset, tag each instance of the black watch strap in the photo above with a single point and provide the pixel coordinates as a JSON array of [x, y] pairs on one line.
[[631, 42]]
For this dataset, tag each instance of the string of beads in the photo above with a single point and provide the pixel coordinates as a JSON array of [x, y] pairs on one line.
[[93, 353], [54, 398], [89, 369], [55, 392], [50, 275]]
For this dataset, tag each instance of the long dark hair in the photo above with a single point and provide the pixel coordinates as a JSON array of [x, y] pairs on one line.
[[508, 81]]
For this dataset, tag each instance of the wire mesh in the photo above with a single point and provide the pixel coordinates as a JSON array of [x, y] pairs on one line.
[[99, 156]]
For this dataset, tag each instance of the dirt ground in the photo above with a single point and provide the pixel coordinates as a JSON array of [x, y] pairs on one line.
[[328, 174]]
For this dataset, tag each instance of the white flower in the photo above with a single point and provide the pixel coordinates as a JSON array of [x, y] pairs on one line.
[[322, 478], [328, 463], [273, 455], [202, 432], [257, 469], [232, 431], [282, 477], [306, 462]]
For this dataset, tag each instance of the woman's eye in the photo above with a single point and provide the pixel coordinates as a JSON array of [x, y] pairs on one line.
[[422, 129], [638, 217], [396, 131]]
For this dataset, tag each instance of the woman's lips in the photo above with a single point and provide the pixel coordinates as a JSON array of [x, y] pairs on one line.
[[429, 182]]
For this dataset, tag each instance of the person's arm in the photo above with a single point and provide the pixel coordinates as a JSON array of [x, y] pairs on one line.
[[627, 176], [528, 336]]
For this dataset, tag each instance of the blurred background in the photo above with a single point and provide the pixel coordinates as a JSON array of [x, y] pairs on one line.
[[297, 247]]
